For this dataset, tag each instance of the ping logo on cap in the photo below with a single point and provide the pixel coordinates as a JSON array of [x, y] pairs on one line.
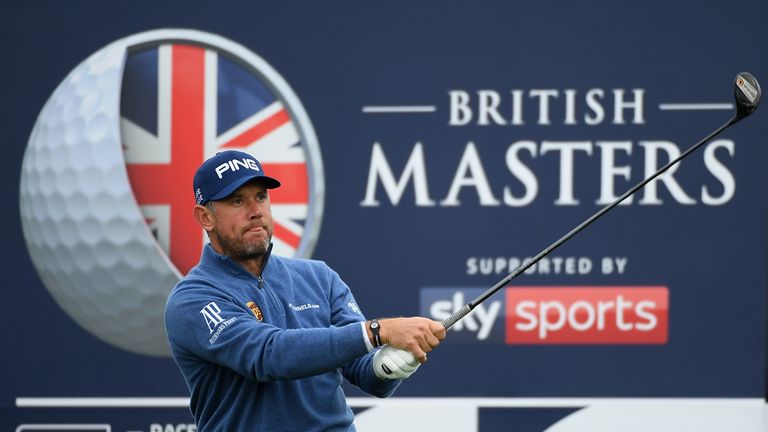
[[235, 164]]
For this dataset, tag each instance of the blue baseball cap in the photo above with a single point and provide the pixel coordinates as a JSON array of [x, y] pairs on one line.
[[222, 174]]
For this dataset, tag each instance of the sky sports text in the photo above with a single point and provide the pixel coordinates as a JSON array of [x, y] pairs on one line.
[[556, 315]]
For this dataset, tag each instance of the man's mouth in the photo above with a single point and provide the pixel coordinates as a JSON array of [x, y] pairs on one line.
[[255, 228]]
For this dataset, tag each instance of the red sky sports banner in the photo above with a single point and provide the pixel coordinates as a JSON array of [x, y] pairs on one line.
[[541, 315]]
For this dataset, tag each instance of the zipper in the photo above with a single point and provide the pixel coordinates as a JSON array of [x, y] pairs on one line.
[[264, 266], [263, 285], [276, 304]]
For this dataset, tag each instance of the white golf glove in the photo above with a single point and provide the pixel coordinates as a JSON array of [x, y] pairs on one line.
[[394, 363]]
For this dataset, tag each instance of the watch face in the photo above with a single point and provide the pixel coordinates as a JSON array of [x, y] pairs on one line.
[[374, 325]]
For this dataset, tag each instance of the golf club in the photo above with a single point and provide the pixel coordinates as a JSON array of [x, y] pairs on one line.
[[747, 92]]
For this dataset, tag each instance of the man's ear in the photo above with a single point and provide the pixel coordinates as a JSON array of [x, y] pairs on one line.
[[204, 217]]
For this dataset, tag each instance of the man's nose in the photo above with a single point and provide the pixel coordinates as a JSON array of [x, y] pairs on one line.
[[255, 209]]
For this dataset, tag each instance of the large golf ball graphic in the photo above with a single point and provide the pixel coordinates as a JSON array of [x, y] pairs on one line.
[[106, 185]]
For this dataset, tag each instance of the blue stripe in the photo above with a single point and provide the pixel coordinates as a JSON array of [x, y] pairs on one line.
[[138, 99], [241, 94]]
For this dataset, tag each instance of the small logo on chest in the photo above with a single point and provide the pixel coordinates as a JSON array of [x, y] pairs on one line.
[[255, 309], [303, 307]]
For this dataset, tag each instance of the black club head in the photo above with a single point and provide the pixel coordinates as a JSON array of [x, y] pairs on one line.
[[748, 94]]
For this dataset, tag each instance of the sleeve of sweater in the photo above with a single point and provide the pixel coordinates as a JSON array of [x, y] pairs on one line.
[[345, 312], [203, 323]]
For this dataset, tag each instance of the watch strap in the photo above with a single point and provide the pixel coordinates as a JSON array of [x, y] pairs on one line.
[[375, 327]]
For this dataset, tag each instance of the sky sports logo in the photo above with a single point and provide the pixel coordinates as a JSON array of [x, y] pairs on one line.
[[556, 315]]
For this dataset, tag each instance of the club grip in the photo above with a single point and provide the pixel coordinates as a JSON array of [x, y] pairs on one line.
[[459, 314]]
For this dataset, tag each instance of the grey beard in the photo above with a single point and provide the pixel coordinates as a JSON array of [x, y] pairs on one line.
[[239, 250]]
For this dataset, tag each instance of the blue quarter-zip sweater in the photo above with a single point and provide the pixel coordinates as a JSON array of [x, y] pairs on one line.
[[269, 353]]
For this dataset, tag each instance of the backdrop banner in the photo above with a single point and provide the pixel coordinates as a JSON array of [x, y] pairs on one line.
[[426, 151]]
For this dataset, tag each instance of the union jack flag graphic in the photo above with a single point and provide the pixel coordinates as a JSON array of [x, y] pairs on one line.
[[181, 103]]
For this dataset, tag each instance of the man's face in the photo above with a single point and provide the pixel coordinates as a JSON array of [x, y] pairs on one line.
[[242, 222]]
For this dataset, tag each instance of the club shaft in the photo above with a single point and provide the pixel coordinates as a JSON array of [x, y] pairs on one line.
[[461, 313]]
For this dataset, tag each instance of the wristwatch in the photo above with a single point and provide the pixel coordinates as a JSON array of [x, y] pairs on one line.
[[375, 328]]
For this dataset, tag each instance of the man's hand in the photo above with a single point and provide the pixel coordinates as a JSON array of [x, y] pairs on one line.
[[394, 363], [417, 335]]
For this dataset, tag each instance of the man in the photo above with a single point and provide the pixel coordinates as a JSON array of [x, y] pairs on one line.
[[264, 341]]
